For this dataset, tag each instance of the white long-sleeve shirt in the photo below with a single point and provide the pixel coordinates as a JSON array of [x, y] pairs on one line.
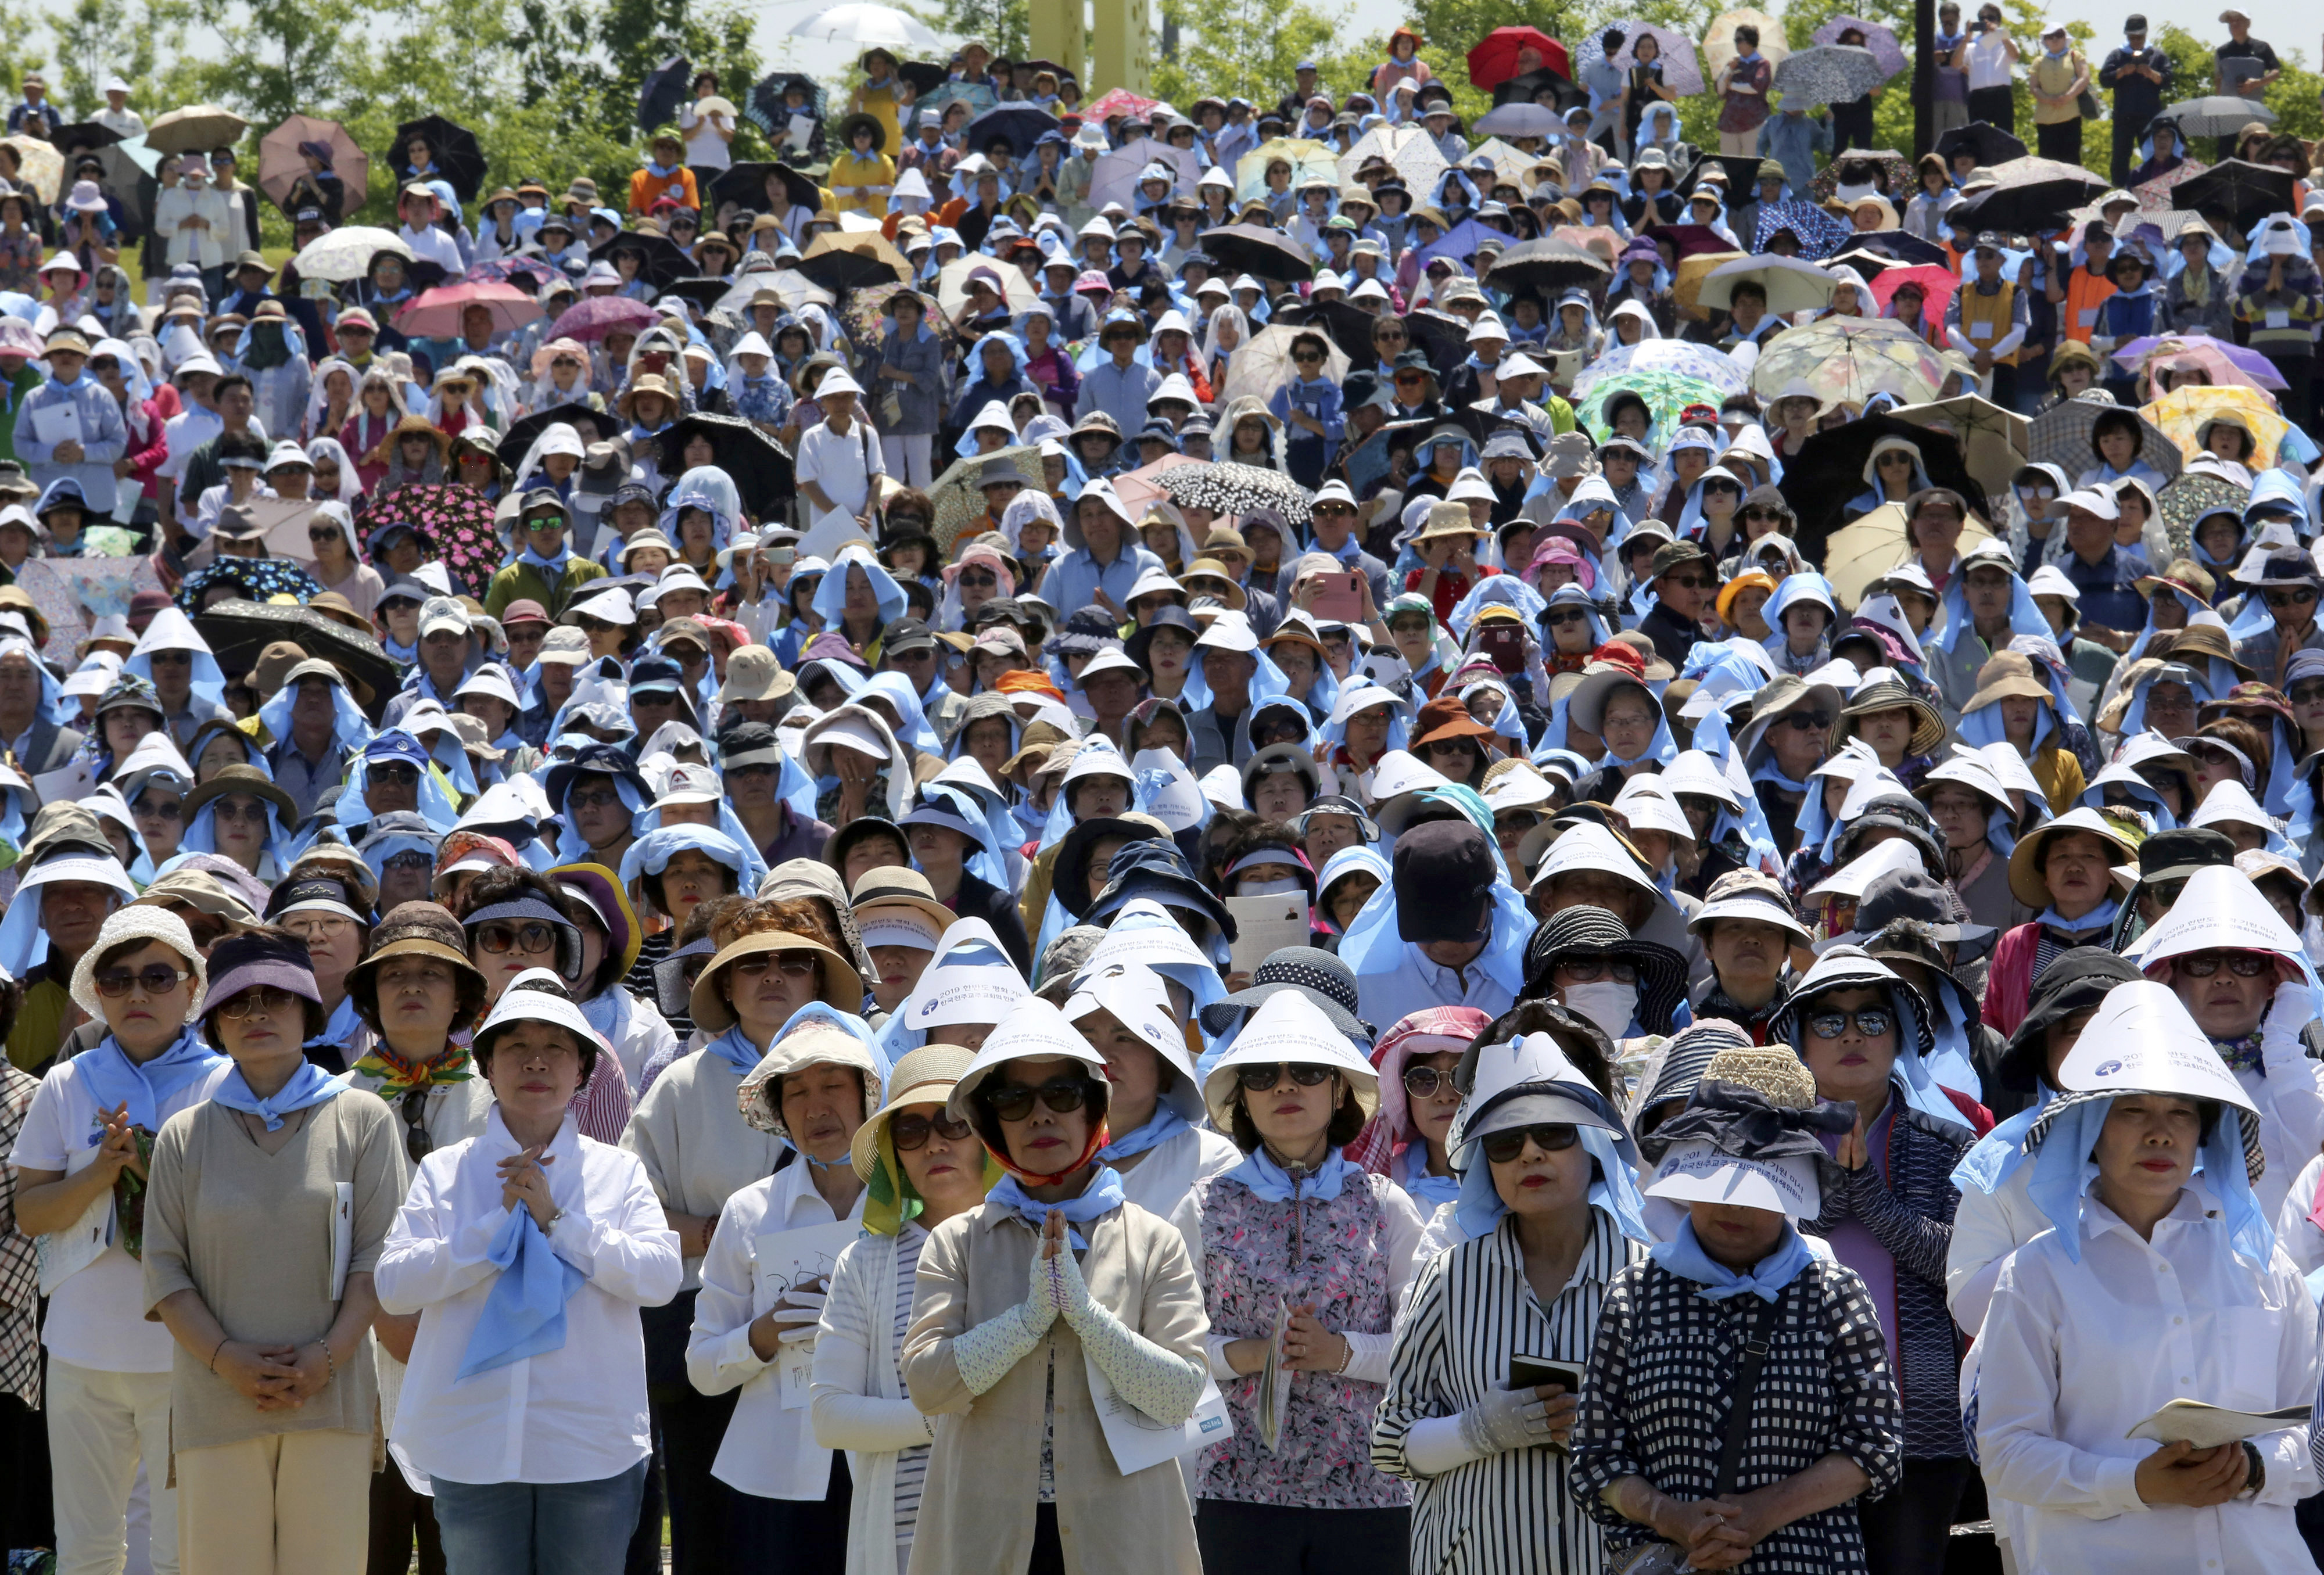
[[2076, 1355], [2301, 1240], [2289, 1091], [1986, 1229], [577, 1413], [768, 1451]]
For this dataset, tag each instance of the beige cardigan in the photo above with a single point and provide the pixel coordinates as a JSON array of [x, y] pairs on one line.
[[984, 1470]]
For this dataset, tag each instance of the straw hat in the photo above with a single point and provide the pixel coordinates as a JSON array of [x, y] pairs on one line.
[[2008, 675], [1447, 520], [711, 1011]]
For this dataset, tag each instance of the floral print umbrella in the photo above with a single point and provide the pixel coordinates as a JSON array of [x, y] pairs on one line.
[[455, 524], [1698, 362], [1848, 360], [1880, 40], [2182, 412], [257, 577], [1666, 393]]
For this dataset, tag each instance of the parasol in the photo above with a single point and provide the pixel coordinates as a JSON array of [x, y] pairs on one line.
[[1882, 248], [1499, 56], [1113, 178], [760, 469], [1819, 230], [959, 503], [1937, 286], [1550, 264], [1677, 356], [1994, 440], [1866, 549], [591, 319], [2196, 495], [764, 109], [1828, 74], [1123, 102], [281, 164], [1682, 71], [662, 93], [2180, 416], [2240, 192], [1307, 160], [865, 26], [1687, 240], [2161, 193], [1821, 480], [1793, 284], [1666, 393], [345, 254], [745, 185], [259, 579], [1686, 285], [1019, 125], [454, 522], [952, 284], [1140, 489], [85, 136], [1896, 172], [1878, 38], [1518, 120], [1509, 164], [660, 260], [2217, 115], [37, 164], [436, 314], [1347, 325], [1259, 252], [704, 293], [1409, 151], [793, 289], [1263, 364], [1848, 360], [2032, 194], [129, 167], [2060, 436], [1563, 95], [452, 148], [1989, 143], [2228, 365], [238, 632], [197, 128], [592, 425], [842, 262], [925, 76], [1225, 488], [1719, 43]]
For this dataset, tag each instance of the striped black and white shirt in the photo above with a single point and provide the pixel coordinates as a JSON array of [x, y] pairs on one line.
[[1470, 1313]]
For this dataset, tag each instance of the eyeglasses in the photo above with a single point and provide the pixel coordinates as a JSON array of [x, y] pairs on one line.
[[316, 926], [1259, 1079], [1589, 970], [393, 774], [910, 1132], [152, 980], [2299, 598], [1560, 619], [262, 1000], [1013, 1102], [791, 965], [1871, 1022], [249, 811], [596, 798], [532, 936], [1423, 1082], [1550, 1137], [2242, 965]]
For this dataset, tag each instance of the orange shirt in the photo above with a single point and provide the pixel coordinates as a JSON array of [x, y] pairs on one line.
[[2085, 293]]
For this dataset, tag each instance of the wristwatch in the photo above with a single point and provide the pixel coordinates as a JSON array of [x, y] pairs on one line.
[[2258, 1478]]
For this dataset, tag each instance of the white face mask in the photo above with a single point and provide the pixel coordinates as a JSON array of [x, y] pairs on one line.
[[1604, 1002], [1269, 888]]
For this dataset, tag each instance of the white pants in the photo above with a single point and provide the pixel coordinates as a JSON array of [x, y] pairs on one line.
[[1740, 144], [101, 1426], [908, 459]]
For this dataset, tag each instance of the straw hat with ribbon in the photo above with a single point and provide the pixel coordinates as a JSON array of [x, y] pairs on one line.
[[926, 1076]]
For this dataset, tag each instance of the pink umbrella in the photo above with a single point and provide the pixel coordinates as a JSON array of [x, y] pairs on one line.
[[1120, 101], [2227, 365], [2155, 196], [592, 320], [1138, 488], [1880, 40], [1937, 286], [436, 314]]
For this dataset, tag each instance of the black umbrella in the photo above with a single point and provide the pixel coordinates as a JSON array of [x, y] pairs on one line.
[[1444, 339], [426, 274], [765, 109], [1742, 175], [2032, 194], [704, 293], [526, 430], [1829, 471], [756, 463], [1688, 240], [238, 631], [664, 92], [1889, 246], [452, 148], [926, 76], [840, 261], [1551, 263], [126, 178], [746, 184], [1989, 143], [1529, 87], [85, 135], [1259, 252], [1349, 327], [2237, 191], [1022, 124], [661, 261]]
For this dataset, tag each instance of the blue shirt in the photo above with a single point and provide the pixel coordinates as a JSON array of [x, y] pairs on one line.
[[1318, 397], [1074, 579], [103, 440], [1415, 983], [1120, 392], [2109, 587]]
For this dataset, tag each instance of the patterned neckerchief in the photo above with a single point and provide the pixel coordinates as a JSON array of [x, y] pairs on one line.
[[397, 1076], [2243, 1055]]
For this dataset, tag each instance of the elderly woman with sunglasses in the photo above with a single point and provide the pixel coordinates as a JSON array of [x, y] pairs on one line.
[[1548, 1213], [264, 1218], [82, 1162], [1408, 1137], [1862, 1033], [1054, 1277], [1300, 1236], [531, 1418], [920, 1165], [773, 957]]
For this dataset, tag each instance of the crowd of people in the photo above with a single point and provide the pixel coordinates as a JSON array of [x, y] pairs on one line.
[[873, 780]]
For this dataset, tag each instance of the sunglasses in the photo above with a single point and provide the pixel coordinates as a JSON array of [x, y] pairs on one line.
[[1761, 514], [1569, 615], [416, 1144], [1311, 359], [1689, 583], [2242, 965], [910, 1132], [1404, 379], [325, 534], [169, 809], [793, 965], [1423, 1082], [1871, 1022], [595, 797], [980, 581], [262, 1000], [1550, 1137], [532, 936], [1807, 721], [1333, 511], [2307, 694], [392, 775], [2290, 598], [248, 810], [155, 978], [1259, 1079], [1589, 970], [1013, 1102]]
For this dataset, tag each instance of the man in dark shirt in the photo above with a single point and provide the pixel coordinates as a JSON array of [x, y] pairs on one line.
[[2246, 67], [2139, 78], [2106, 576], [1295, 102], [1684, 582]]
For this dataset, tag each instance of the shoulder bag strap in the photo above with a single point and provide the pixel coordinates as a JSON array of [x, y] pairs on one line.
[[1756, 1342]]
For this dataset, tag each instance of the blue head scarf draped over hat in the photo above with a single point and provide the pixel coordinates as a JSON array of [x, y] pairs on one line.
[[831, 596], [24, 943], [1850, 967], [1267, 682], [912, 719], [401, 831], [2024, 616], [2061, 1147], [712, 489], [350, 729], [171, 630], [650, 854], [2134, 717], [397, 744], [201, 834], [1359, 695], [571, 847]]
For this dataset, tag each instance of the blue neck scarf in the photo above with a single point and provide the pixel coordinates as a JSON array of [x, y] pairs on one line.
[[659, 171], [1683, 1256], [2063, 1170], [2099, 918], [1996, 1156], [1101, 1197], [524, 1315], [401, 655], [553, 568], [1159, 1128], [734, 1048], [1271, 1182], [309, 1085], [114, 1079], [340, 1029]]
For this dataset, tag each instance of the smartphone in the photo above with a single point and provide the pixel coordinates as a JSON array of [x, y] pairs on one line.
[[1505, 645], [1532, 1372], [1340, 597]]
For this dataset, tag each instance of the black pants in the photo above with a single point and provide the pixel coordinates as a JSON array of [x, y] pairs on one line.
[[2125, 147], [791, 1536], [691, 1425], [2298, 400], [1283, 1541], [2062, 141], [27, 1505], [1908, 1532], [1995, 106], [400, 1517], [1048, 1552], [1852, 126]]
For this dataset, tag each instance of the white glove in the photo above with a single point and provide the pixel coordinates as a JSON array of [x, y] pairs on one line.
[[798, 1315], [1505, 1420]]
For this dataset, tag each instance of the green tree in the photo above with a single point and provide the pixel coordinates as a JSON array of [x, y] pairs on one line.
[[288, 57], [1249, 47], [1003, 26], [143, 42]]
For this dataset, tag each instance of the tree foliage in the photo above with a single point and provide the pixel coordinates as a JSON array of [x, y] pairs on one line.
[[143, 43], [1249, 47]]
